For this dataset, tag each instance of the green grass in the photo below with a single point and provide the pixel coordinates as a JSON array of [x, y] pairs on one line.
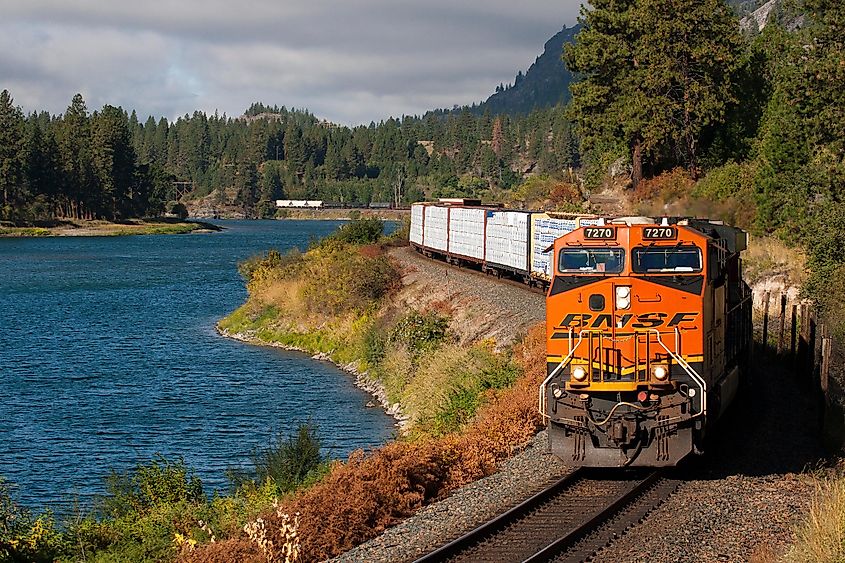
[[24, 232]]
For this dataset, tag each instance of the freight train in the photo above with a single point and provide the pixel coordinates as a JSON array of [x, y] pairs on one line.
[[500, 241], [648, 322]]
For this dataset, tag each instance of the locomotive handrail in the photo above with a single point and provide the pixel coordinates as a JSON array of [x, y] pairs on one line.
[[560, 366], [741, 304], [683, 363]]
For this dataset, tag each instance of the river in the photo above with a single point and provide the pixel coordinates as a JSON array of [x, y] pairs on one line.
[[108, 356]]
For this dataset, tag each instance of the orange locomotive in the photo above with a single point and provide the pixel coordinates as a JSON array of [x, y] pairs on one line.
[[648, 339]]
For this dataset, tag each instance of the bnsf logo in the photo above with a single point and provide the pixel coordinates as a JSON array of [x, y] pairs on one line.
[[646, 320]]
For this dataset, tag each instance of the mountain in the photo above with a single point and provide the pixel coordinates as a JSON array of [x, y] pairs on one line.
[[545, 84]]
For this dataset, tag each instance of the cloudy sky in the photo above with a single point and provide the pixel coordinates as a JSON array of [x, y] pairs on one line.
[[350, 61]]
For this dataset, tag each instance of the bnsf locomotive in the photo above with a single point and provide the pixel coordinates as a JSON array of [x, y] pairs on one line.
[[649, 335], [648, 322]]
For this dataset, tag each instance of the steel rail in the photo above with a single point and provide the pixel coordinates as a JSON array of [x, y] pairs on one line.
[[578, 542], [492, 527]]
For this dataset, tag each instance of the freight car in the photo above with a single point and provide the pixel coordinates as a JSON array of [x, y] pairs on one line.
[[648, 339], [500, 241]]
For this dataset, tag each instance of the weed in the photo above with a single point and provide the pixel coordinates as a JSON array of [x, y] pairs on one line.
[[287, 461], [821, 537]]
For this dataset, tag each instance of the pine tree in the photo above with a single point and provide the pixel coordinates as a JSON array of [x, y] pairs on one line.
[[113, 161], [12, 156], [821, 94], [74, 142], [656, 74]]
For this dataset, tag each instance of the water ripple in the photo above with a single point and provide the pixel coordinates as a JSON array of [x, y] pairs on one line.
[[109, 356]]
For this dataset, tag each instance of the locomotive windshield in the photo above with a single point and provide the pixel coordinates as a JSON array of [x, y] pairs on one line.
[[660, 259], [600, 260]]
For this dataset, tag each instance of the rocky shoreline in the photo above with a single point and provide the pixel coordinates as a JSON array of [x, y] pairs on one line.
[[362, 380]]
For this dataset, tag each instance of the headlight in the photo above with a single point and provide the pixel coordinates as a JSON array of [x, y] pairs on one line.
[[623, 297], [660, 373], [579, 373]]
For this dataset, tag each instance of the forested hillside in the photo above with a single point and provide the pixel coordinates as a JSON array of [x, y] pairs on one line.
[[748, 125], [543, 85], [109, 164]]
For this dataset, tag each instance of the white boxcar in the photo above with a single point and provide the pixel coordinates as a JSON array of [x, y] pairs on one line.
[[506, 242], [466, 232], [435, 227], [544, 231], [416, 235]]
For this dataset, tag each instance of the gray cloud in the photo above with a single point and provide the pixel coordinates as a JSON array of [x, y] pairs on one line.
[[349, 61]]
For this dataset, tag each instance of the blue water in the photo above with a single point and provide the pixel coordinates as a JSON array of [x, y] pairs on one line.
[[108, 356]]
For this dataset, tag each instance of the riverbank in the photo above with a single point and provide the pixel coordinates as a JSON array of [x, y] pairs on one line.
[[362, 379], [84, 228]]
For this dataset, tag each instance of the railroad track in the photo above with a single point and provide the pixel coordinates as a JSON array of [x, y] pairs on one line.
[[568, 522], [475, 269]]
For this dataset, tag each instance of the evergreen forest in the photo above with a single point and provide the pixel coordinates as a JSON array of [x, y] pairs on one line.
[[108, 164]]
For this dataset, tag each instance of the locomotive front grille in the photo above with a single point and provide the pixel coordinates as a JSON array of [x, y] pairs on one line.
[[623, 359]]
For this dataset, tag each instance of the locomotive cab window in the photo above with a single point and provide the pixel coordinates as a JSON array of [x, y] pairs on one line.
[[663, 259], [591, 260]]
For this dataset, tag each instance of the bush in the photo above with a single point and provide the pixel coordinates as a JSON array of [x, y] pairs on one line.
[[731, 180], [339, 279], [178, 209], [669, 186], [257, 270], [287, 461], [25, 537], [360, 231], [549, 193], [420, 331], [159, 482]]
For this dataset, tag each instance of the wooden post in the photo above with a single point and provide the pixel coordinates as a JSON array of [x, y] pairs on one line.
[[792, 334], [765, 320], [782, 327], [811, 347], [824, 372]]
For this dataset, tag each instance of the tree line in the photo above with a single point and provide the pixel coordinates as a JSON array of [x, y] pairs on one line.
[[108, 164]]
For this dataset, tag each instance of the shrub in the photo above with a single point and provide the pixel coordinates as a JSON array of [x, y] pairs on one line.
[[668, 186], [177, 209], [287, 461], [161, 481], [262, 268], [728, 181], [420, 331], [365, 230], [338, 279], [25, 537], [547, 192]]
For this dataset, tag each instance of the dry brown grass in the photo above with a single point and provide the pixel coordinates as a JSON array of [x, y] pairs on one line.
[[768, 258], [821, 538], [371, 492]]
